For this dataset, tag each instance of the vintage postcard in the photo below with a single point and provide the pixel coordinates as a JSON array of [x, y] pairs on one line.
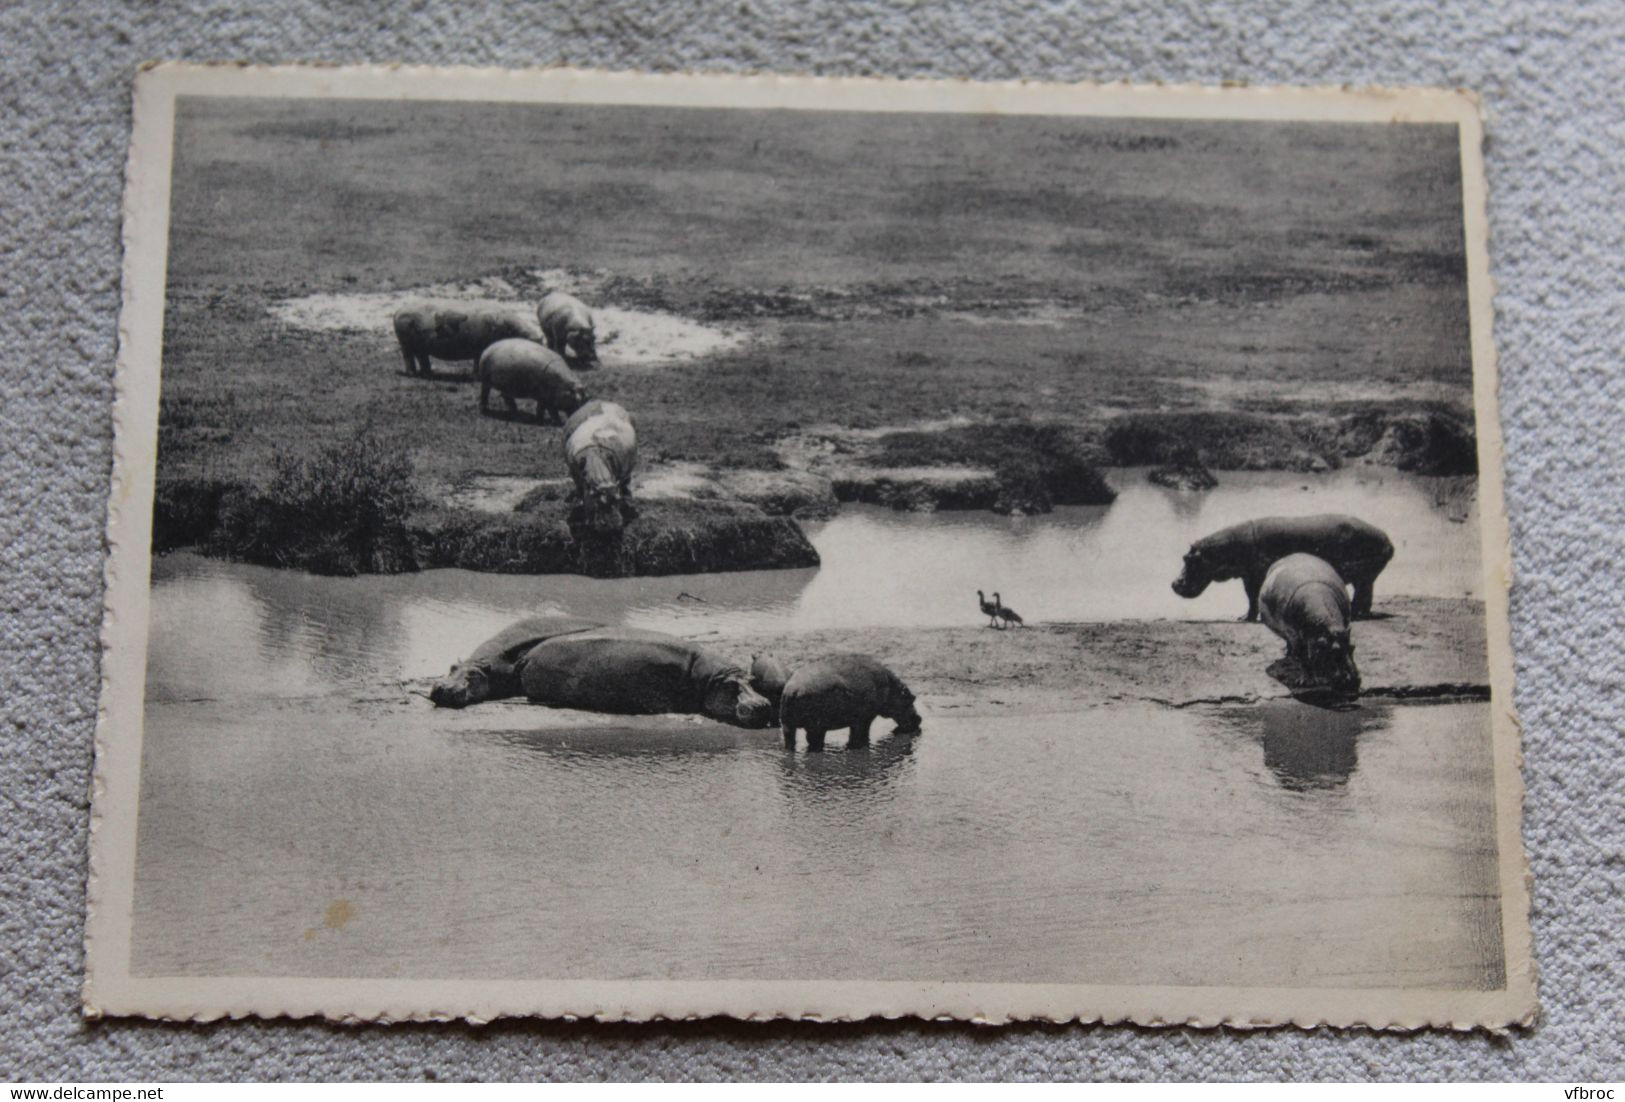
[[632, 547]]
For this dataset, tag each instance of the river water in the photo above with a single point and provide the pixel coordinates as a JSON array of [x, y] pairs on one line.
[[299, 817], [300, 633]]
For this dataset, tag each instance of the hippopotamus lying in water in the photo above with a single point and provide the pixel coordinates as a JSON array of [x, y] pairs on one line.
[[630, 672], [844, 690], [457, 331], [567, 325], [492, 671], [601, 450], [1355, 549], [1305, 602], [518, 368]]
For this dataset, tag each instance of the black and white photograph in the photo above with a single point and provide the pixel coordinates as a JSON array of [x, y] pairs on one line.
[[591, 545]]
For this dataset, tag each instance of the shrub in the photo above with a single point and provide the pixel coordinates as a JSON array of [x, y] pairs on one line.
[[340, 511]]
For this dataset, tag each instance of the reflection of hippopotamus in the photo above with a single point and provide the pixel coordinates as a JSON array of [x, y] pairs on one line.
[[630, 672], [492, 671], [1305, 602], [1308, 747], [457, 331], [518, 368], [1355, 549], [768, 676], [567, 326], [601, 451], [844, 690]]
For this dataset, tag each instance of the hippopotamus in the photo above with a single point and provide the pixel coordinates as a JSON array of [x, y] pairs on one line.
[[492, 671], [601, 450], [457, 331], [519, 368], [768, 676], [627, 671], [567, 325], [1356, 550], [1305, 602], [844, 690]]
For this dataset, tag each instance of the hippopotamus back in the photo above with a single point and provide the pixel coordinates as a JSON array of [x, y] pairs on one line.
[[844, 691], [1357, 550], [1306, 603], [492, 671], [628, 671], [601, 451], [518, 368], [458, 330]]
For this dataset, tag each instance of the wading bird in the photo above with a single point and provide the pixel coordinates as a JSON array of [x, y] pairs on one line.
[[1008, 615]]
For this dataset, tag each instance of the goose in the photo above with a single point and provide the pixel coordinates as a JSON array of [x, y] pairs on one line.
[[990, 609], [1008, 615]]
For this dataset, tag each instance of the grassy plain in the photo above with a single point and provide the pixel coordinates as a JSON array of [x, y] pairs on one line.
[[1305, 282]]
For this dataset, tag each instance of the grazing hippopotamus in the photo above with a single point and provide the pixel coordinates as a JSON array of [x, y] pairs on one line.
[[1355, 549], [519, 368], [601, 450], [567, 325], [492, 671], [1305, 602], [457, 331], [844, 690], [631, 672], [768, 676]]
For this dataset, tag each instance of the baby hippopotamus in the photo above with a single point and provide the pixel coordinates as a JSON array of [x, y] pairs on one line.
[[844, 690], [1306, 603]]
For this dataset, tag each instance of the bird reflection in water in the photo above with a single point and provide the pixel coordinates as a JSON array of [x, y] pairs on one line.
[[1309, 747]]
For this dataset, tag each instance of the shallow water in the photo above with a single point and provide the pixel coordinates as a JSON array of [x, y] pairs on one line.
[[1129, 845], [301, 817], [298, 633]]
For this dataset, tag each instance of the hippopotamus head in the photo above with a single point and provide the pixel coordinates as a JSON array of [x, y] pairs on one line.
[[1330, 660], [731, 699], [465, 684], [900, 707], [768, 675], [582, 345], [575, 398], [1202, 567]]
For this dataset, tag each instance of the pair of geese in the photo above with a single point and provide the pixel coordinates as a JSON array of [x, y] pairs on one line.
[[995, 612]]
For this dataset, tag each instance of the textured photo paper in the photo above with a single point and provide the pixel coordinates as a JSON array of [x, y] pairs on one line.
[[630, 547]]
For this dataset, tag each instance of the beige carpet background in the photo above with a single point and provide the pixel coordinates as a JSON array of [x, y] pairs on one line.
[[1550, 75]]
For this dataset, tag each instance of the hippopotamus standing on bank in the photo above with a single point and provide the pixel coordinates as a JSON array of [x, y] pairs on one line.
[[518, 368], [601, 451], [1356, 550], [844, 690], [567, 325], [1305, 602], [626, 671], [492, 672], [457, 331]]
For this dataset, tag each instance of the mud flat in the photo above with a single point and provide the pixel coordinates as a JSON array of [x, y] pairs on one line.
[[1421, 649]]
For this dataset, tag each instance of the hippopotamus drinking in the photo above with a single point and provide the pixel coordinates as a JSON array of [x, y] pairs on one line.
[[457, 331], [519, 368], [631, 672], [1305, 602], [492, 672], [601, 450], [567, 325], [1356, 550], [844, 690]]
